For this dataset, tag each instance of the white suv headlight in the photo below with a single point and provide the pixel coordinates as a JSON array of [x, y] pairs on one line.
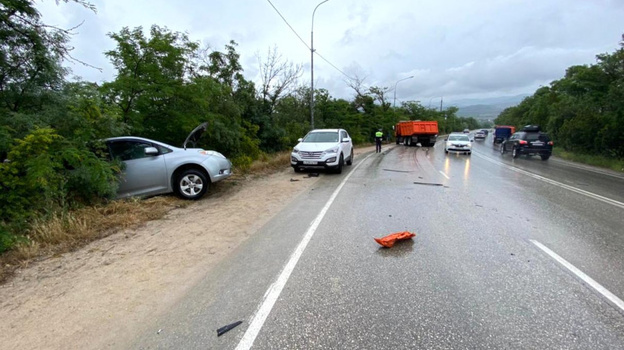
[[295, 150], [332, 150]]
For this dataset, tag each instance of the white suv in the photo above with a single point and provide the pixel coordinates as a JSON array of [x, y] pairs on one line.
[[323, 148]]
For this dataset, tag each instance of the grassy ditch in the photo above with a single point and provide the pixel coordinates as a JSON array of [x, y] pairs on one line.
[[595, 160], [67, 231]]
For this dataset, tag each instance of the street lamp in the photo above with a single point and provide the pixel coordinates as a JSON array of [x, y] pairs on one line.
[[395, 86], [312, 66]]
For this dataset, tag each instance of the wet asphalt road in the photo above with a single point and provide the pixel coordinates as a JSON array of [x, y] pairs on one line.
[[472, 278]]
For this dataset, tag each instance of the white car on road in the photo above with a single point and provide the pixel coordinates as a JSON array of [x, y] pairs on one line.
[[323, 149], [458, 143]]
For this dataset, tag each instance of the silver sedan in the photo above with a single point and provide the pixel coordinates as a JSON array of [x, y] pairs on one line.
[[152, 167]]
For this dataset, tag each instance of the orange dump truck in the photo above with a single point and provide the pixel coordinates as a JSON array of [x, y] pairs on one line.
[[414, 131]]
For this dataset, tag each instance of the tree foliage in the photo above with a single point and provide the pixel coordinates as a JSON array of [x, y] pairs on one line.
[[583, 111]]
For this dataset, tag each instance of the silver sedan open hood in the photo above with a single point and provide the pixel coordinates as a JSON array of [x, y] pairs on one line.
[[195, 135]]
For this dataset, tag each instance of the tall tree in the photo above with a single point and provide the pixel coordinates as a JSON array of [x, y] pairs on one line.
[[31, 55], [150, 75]]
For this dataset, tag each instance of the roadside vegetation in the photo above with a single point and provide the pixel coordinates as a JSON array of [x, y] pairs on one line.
[[57, 184], [583, 111]]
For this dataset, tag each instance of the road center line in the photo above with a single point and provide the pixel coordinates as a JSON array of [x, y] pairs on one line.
[[556, 183], [580, 274], [443, 174], [271, 295]]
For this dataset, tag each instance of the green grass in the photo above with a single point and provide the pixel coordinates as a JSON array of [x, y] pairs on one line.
[[589, 159]]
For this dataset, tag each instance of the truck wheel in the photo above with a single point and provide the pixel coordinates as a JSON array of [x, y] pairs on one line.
[[515, 153]]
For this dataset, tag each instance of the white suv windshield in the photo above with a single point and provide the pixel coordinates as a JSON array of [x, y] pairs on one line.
[[330, 136]]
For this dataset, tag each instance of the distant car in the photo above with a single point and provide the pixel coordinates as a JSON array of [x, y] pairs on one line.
[[480, 135], [486, 131], [530, 141], [152, 167], [466, 131], [458, 143], [326, 149]]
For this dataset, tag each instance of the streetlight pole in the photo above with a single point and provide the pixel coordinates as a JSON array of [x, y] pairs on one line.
[[395, 87], [312, 66]]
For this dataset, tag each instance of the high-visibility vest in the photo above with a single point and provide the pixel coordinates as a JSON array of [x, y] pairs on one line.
[[378, 134]]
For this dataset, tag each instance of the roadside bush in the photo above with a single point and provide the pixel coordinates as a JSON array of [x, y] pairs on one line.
[[46, 173], [242, 162]]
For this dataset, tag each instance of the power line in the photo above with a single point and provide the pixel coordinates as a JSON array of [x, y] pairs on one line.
[[331, 64], [306, 45], [291, 28]]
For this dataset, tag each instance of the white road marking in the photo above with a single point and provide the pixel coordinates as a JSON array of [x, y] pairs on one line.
[[443, 174], [580, 274], [589, 168], [271, 295], [556, 183]]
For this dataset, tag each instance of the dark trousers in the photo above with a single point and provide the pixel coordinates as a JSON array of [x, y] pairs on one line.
[[378, 144]]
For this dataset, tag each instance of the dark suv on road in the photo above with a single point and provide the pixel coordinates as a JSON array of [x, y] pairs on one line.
[[529, 141]]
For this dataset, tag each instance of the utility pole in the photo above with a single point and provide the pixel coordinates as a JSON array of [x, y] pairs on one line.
[[312, 67]]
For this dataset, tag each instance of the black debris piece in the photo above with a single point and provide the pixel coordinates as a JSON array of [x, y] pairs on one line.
[[293, 180], [399, 171], [313, 174], [227, 328], [427, 183]]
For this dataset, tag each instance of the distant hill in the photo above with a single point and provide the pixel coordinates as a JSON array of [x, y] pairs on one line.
[[487, 108]]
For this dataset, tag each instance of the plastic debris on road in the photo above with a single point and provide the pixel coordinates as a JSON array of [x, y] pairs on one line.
[[227, 328], [389, 240]]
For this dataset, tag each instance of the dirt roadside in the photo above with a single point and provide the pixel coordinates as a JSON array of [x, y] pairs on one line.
[[97, 297]]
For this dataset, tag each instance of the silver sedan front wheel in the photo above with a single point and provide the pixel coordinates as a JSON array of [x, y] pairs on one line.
[[192, 184]]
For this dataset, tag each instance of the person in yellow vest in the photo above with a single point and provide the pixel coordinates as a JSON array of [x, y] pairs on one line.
[[378, 137]]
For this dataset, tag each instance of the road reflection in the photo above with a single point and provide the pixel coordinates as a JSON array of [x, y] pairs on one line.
[[447, 165]]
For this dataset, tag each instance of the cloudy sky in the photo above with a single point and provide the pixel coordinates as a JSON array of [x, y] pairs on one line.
[[458, 49]]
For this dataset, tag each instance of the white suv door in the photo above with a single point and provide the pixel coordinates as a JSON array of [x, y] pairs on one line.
[[347, 147]]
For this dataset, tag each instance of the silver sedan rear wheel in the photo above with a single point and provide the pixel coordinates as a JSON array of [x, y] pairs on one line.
[[192, 184]]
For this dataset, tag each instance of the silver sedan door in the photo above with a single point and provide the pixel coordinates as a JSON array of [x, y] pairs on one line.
[[143, 174]]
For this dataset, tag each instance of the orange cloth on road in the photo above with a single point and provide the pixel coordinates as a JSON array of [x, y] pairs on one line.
[[390, 239]]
